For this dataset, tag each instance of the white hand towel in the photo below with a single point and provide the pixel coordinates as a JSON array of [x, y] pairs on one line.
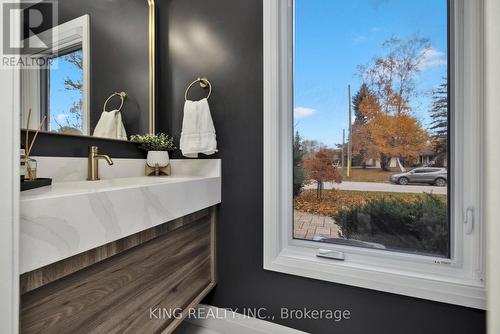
[[110, 125], [198, 131]]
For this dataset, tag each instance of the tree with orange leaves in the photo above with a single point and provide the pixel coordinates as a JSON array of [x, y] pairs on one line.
[[388, 129], [320, 168], [400, 136], [384, 136]]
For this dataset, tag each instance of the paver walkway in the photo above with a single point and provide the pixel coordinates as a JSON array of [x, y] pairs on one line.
[[310, 226]]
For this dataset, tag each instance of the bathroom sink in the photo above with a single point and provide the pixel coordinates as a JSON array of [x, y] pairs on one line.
[[72, 217]]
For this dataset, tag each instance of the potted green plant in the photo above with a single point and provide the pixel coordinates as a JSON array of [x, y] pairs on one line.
[[157, 146]]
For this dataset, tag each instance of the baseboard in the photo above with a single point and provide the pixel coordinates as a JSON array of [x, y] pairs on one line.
[[227, 322]]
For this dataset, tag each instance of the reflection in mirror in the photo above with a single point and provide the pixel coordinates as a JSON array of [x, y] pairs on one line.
[[98, 49], [66, 94], [58, 90]]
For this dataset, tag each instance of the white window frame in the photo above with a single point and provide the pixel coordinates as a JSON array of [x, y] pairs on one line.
[[9, 191], [458, 280]]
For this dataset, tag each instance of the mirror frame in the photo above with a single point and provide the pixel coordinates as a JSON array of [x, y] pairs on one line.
[[152, 63], [152, 79]]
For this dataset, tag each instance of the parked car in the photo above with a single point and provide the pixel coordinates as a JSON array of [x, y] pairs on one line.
[[430, 175]]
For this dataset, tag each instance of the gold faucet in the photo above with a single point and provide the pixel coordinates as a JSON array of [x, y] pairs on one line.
[[93, 171]]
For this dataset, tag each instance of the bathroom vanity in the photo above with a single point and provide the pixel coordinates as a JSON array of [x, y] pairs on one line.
[[126, 254]]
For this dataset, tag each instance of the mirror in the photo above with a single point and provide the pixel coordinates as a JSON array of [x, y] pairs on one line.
[[94, 75]]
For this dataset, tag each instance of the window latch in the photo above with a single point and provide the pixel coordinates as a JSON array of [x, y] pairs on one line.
[[469, 220], [331, 254]]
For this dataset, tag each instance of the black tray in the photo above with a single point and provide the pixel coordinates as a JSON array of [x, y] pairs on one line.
[[40, 182]]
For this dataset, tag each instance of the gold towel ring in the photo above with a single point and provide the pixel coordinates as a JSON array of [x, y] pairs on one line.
[[122, 96], [204, 82]]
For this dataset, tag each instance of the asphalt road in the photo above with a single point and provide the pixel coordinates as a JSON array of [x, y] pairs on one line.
[[374, 186]]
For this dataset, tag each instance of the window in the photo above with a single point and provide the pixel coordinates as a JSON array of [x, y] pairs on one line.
[[396, 113], [372, 136]]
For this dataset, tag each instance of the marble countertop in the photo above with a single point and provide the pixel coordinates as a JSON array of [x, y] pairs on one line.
[[71, 188], [72, 217]]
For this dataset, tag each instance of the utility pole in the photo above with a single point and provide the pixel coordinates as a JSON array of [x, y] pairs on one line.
[[343, 146], [349, 144]]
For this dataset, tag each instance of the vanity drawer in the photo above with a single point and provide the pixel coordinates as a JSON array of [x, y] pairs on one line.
[[131, 292]]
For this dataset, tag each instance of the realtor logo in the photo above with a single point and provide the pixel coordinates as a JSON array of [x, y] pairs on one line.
[[25, 32]]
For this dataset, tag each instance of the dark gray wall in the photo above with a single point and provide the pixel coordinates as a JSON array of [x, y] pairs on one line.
[[222, 39]]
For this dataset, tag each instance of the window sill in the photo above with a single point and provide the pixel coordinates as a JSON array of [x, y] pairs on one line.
[[301, 261]]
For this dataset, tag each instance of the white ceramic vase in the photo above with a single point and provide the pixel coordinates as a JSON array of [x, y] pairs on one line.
[[157, 157]]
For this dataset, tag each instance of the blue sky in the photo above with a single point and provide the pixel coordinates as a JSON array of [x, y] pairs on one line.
[[333, 37], [61, 99]]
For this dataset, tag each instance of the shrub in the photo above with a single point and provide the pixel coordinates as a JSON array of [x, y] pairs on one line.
[[298, 162], [420, 225]]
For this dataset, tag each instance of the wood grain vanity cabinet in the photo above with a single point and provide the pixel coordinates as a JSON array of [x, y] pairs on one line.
[[125, 286]]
